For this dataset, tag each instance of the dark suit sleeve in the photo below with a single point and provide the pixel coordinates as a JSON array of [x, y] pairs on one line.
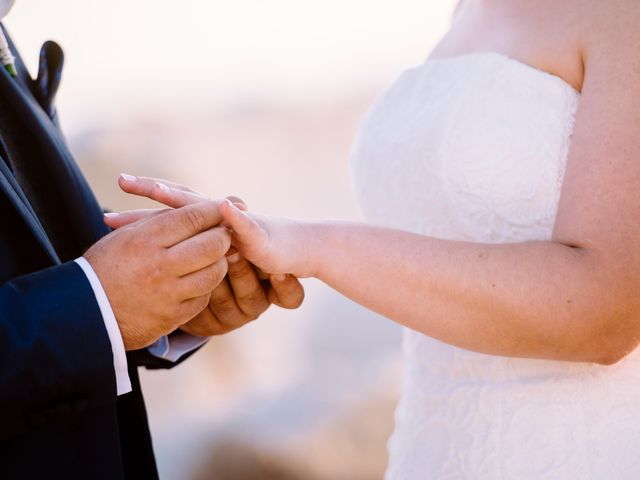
[[55, 354]]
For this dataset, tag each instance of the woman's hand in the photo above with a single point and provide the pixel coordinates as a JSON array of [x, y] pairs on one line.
[[244, 294], [275, 245]]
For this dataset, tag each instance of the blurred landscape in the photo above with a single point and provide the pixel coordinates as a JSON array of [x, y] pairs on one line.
[[259, 99]]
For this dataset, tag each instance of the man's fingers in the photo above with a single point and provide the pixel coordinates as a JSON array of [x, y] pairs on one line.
[[178, 225], [199, 251], [202, 282], [117, 220], [191, 308], [224, 307], [286, 291], [205, 324], [247, 288]]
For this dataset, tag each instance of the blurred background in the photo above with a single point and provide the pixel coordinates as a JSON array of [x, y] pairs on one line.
[[261, 99]]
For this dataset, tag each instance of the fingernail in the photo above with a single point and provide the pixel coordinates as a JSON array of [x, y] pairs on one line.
[[128, 178], [280, 278], [163, 187], [235, 258], [111, 214]]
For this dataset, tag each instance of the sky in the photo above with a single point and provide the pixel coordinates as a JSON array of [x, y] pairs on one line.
[[128, 55]]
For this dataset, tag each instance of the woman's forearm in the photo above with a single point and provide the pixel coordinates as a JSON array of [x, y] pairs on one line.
[[535, 299]]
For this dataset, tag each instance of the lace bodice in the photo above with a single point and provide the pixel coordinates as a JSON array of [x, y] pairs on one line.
[[474, 148]]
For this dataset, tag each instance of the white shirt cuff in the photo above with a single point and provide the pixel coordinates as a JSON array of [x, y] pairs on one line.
[[174, 348], [123, 382]]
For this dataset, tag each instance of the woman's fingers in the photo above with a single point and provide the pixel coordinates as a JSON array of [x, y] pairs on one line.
[[174, 198], [138, 185], [238, 202], [117, 220], [286, 291], [248, 235], [172, 194]]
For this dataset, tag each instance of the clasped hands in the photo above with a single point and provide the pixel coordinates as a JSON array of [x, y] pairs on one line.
[[176, 268]]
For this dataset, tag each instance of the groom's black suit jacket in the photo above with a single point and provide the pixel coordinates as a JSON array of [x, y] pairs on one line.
[[60, 417]]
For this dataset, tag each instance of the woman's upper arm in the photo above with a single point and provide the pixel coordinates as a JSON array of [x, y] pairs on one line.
[[599, 208]]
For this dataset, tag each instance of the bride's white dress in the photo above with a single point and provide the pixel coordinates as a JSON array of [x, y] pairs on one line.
[[474, 148]]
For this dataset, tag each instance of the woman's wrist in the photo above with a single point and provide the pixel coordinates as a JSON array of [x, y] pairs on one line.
[[306, 255], [319, 247]]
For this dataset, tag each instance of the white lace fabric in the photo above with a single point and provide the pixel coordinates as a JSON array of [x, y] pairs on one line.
[[474, 148]]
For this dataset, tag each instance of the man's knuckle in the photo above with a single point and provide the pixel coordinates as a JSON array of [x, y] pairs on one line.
[[135, 242], [209, 279], [198, 329], [201, 303], [253, 301], [191, 309], [195, 219], [224, 305], [216, 245], [219, 273], [254, 311], [166, 315], [297, 300], [200, 250], [241, 269], [184, 312], [210, 329], [209, 248]]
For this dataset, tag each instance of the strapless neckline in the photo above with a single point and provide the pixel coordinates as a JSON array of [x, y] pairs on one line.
[[481, 58]]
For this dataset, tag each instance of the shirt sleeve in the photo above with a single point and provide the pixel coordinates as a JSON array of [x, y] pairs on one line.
[[176, 346], [115, 337]]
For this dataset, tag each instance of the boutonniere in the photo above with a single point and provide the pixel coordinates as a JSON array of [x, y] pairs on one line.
[[6, 57]]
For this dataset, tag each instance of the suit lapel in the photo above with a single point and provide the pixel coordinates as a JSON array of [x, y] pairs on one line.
[[10, 182], [77, 217], [15, 195]]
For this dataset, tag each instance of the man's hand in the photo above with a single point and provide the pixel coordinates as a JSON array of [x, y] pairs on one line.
[[242, 297], [159, 272], [244, 294]]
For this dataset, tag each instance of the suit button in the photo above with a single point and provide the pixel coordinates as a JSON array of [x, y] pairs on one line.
[[81, 405], [36, 419], [63, 409]]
